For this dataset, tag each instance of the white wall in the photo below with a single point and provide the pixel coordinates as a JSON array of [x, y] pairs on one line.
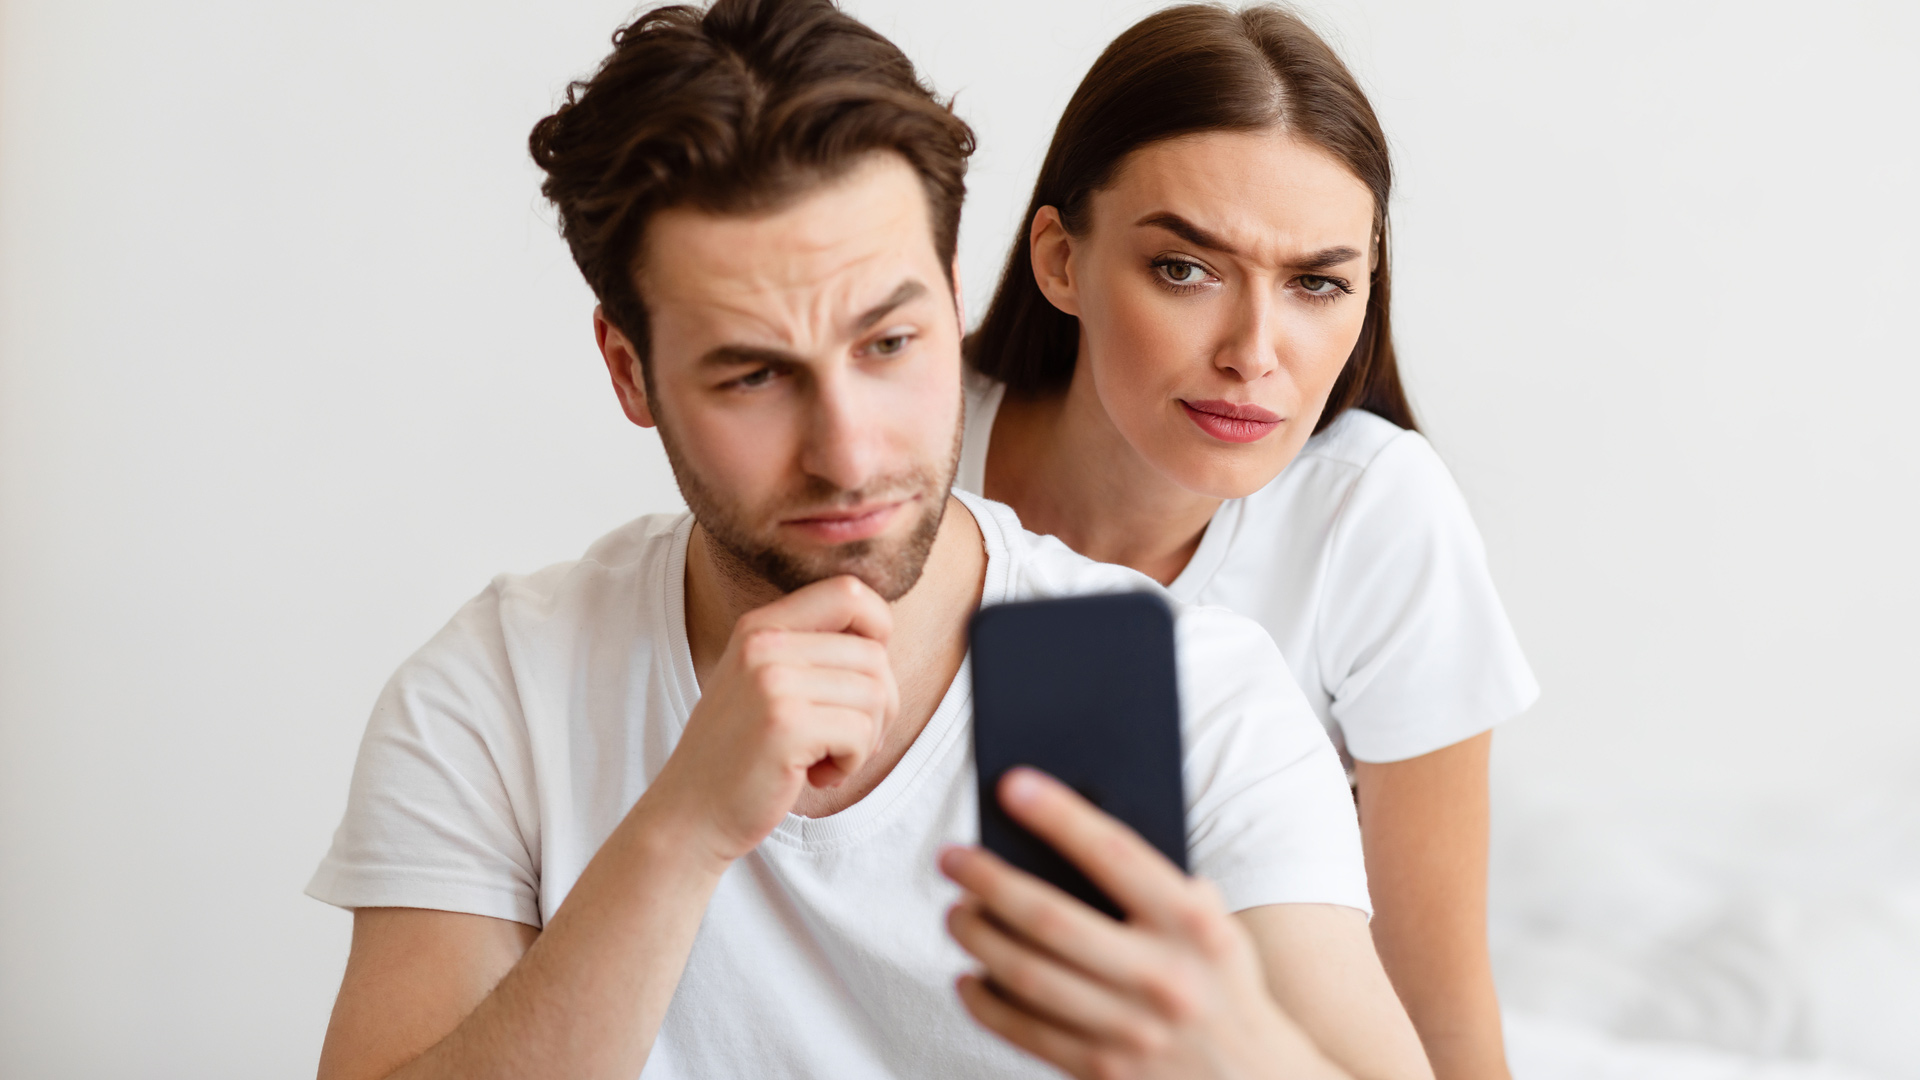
[[291, 361]]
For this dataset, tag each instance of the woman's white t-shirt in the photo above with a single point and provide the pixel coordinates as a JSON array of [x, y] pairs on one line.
[[504, 752], [1362, 561]]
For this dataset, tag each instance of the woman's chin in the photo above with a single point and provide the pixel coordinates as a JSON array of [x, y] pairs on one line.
[[1223, 471]]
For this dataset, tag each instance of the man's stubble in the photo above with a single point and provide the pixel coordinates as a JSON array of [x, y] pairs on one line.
[[892, 571]]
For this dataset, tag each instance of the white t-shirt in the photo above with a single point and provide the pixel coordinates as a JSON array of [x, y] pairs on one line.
[[502, 754], [1362, 561]]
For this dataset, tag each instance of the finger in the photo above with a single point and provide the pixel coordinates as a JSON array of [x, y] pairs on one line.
[[829, 687], [1134, 873], [1041, 985], [1111, 952], [1024, 1030], [842, 604], [833, 743], [767, 645]]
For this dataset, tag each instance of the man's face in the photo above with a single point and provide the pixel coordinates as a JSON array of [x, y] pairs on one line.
[[805, 378]]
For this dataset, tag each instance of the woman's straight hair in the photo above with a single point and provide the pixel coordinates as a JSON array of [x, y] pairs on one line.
[[1184, 71]]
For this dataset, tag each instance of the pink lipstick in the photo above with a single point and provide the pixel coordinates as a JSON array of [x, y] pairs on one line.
[[1232, 423]]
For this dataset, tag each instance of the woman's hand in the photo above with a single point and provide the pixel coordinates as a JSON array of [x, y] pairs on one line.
[[1175, 991]]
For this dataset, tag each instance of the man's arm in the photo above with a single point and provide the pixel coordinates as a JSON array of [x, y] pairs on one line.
[[1180, 989], [584, 998], [412, 976], [801, 697]]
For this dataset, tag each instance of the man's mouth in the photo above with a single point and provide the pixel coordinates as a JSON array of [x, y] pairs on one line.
[[846, 524], [1231, 422]]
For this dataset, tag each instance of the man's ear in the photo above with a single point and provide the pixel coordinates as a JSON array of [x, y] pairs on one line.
[[1051, 250], [623, 364]]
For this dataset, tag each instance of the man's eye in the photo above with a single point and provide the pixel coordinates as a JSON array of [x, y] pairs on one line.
[[891, 345], [760, 377]]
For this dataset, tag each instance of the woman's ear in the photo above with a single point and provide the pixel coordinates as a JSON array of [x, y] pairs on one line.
[[1051, 250], [623, 364]]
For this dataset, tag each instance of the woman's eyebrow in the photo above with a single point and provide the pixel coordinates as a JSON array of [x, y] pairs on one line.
[[1199, 237], [1188, 231]]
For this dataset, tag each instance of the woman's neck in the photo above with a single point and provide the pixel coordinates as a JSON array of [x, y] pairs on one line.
[[1066, 470]]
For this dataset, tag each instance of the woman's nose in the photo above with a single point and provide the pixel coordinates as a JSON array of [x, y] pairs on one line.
[[1250, 349]]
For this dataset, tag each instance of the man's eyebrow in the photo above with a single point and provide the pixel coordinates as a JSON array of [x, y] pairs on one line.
[[909, 289], [736, 355], [1199, 237]]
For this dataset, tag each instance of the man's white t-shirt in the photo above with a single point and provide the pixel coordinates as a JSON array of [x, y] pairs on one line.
[[504, 752], [1362, 560]]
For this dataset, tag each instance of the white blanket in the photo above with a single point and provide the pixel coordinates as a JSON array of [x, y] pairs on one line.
[[1710, 941]]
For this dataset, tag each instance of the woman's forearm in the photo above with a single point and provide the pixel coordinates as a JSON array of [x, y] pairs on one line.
[[1424, 823]]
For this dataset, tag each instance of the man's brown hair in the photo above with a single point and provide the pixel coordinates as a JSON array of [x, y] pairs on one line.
[[735, 109]]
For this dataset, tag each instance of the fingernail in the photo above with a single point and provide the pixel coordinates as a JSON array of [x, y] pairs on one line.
[[1021, 786], [949, 858]]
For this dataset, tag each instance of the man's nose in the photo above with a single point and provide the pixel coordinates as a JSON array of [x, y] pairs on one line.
[[1250, 350], [845, 441]]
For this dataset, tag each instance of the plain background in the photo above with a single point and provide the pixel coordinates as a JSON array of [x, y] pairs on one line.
[[292, 361]]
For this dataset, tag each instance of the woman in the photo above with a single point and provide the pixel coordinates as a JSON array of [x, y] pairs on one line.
[[1188, 368]]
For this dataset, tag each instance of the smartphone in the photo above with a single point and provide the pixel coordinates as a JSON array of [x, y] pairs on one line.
[[1082, 688]]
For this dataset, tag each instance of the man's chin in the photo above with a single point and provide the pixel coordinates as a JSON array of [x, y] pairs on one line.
[[890, 566]]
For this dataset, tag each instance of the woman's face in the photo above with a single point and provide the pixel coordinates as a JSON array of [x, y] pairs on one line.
[[1220, 284]]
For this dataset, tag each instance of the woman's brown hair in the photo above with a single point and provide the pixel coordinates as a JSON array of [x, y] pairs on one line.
[[1184, 71]]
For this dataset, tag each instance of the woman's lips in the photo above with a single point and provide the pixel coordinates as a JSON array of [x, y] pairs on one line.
[[1232, 423]]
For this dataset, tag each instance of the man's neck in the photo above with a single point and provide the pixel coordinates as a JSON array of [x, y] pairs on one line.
[[928, 644], [1067, 471]]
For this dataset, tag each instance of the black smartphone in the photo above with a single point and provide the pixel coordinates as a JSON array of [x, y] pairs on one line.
[[1082, 688]]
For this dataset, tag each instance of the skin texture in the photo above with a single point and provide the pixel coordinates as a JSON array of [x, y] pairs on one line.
[[807, 396], [1257, 300]]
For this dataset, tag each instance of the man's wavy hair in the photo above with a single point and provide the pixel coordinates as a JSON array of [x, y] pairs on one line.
[[739, 108]]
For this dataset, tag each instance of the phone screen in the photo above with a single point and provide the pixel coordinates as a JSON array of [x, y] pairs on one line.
[[1083, 688]]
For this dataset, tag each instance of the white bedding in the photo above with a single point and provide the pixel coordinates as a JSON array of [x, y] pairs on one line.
[[1710, 941]]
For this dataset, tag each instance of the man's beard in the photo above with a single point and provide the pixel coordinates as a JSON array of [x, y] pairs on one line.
[[890, 569]]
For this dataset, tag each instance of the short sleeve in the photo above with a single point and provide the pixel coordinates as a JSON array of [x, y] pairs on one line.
[[1270, 816], [441, 810], [1414, 647]]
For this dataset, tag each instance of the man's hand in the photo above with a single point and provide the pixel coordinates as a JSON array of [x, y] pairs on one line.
[[801, 697], [1175, 991]]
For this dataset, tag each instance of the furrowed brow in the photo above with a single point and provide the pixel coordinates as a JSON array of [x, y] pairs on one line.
[[1327, 259], [1199, 237], [1188, 231], [738, 355], [910, 289]]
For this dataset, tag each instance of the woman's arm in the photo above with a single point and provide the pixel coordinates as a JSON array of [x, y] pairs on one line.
[[1423, 822]]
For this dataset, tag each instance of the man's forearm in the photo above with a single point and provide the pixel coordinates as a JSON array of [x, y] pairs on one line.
[[587, 999]]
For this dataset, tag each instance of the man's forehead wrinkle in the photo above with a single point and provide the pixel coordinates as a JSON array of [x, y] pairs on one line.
[[797, 279], [795, 311]]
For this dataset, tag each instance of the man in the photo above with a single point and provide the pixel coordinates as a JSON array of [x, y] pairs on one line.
[[678, 806]]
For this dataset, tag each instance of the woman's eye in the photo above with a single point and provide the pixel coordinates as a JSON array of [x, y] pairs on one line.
[[1181, 272], [1315, 285]]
